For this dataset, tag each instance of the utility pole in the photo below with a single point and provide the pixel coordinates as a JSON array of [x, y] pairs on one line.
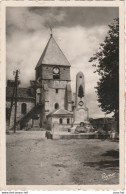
[[12, 103], [16, 85], [14, 97]]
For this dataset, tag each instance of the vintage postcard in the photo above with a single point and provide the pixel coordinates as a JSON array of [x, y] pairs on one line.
[[62, 95]]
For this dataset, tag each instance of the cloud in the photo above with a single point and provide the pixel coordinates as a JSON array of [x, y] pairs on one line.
[[86, 16], [30, 19], [79, 39]]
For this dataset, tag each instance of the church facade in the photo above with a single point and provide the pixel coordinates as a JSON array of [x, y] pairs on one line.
[[49, 102]]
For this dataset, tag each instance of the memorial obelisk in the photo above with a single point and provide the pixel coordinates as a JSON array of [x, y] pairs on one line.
[[81, 111]]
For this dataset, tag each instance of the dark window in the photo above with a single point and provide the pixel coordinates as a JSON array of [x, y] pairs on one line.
[[56, 106], [61, 120], [57, 91], [23, 108], [68, 121], [56, 76]]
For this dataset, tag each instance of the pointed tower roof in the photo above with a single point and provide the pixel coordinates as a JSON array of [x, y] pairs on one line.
[[52, 55]]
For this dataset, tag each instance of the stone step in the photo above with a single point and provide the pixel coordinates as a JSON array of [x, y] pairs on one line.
[[78, 136], [35, 129], [51, 135]]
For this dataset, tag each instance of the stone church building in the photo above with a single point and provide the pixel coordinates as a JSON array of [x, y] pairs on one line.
[[49, 100]]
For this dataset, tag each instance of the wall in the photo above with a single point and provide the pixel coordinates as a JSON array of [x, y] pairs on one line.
[[47, 72], [69, 106], [38, 72], [51, 97], [30, 105], [55, 83], [57, 127], [54, 97], [48, 92], [56, 120], [64, 73], [80, 115]]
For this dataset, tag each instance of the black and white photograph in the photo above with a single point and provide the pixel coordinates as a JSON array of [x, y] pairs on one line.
[[63, 95]]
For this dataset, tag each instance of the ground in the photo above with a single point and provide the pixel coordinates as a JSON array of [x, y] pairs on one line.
[[34, 160]]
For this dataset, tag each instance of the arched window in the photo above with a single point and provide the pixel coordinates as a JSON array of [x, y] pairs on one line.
[[68, 121], [61, 120], [57, 91], [56, 105], [23, 108]]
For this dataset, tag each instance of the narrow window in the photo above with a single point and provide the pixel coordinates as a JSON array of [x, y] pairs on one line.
[[57, 91], [68, 121], [56, 105], [23, 108], [61, 120]]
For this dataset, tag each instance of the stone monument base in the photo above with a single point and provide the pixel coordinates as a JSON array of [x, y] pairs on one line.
[[80, 115], [85, 131], [67, 135], [83, 127]]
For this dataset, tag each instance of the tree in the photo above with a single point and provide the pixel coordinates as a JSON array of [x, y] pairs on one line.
[[81, 92], [107, 66]]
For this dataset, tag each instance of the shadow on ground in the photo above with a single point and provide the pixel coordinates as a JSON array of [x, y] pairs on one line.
[[112, 153], [112, 164]]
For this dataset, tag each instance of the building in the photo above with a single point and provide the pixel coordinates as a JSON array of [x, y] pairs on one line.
[[102, 123], [48, 101]]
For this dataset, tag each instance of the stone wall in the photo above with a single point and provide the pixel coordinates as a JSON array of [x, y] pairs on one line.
[[30, 105], [50, 86], [64, 120], [38, 72], [55, 83], [57, 127], [47, 72], [80, 115], [64, 73], [51, 97], [53, 92]]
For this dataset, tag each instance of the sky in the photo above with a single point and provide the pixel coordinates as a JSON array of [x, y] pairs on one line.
[[77, 30]]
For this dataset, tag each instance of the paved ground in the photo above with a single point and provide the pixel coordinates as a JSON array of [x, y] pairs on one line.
[[33, 160]]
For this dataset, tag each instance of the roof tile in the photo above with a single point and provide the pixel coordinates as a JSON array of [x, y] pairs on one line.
[[21, 92], [52, 55]]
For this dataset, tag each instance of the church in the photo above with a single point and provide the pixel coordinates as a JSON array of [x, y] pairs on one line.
[[49, 102]]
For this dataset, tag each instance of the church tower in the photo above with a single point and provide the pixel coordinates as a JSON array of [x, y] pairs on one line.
[[53, 75]]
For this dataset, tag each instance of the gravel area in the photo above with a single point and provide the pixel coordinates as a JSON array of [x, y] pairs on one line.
[[34, 160]]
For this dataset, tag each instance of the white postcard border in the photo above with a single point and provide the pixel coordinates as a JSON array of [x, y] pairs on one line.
[[3, 6]]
